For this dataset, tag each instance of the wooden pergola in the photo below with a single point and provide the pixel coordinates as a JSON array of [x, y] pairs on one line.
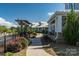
[[23, 23]]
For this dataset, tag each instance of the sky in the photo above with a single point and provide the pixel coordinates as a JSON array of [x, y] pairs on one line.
[[28, 11]]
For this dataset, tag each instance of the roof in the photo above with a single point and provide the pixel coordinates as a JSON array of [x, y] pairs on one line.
[[64, 13]]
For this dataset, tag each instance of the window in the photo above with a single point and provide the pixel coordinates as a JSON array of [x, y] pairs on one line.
[[63, 20]]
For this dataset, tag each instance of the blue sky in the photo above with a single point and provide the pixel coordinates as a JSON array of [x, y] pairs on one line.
[[30, 12]]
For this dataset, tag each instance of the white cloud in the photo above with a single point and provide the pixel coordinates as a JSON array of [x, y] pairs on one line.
[[50, 13], [36, 24], [8, 24]]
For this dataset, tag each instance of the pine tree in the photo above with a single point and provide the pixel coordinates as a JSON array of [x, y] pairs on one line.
[[71, 30]]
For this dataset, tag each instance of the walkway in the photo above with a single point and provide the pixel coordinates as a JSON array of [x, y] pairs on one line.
[[36, 48]]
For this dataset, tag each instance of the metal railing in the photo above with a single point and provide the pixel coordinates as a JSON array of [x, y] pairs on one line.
[[3, 42]]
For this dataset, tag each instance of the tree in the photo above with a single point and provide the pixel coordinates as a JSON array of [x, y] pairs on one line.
[[3, 29], [71, 29]]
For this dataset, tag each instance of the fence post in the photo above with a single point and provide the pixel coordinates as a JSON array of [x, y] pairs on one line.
[[4, 42]]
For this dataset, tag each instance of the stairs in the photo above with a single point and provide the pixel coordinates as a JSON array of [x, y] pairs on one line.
[[60, 38]]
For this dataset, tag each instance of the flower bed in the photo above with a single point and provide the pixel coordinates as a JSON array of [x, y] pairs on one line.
[[16, 45]]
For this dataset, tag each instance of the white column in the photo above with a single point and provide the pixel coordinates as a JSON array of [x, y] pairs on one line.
[[58, 24]]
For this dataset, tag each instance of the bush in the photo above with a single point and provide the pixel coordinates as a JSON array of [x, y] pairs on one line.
[[29, 42], [71, 29], [17, 44], [24, 42], [8, 54], [47, 39], [14, 47]]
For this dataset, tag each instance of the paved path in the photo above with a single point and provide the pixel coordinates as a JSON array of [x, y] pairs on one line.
[[36, 48]]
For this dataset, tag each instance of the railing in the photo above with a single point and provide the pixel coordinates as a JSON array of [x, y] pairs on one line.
[[8, 37]]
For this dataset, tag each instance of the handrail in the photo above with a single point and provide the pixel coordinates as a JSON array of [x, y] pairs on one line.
[[56, 36]]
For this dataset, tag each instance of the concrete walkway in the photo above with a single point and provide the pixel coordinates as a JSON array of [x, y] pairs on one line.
[[35, 49]]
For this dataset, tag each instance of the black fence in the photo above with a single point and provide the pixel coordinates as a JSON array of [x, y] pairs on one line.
[[7, 37]]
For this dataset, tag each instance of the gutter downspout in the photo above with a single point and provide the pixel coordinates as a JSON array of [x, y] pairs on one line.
[[55, 39], [56, 36]]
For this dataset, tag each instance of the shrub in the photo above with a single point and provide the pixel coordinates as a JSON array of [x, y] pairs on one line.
[[47, 39], [24, 42], [17, 44], [14, 47], [29, 42], [71, 29]]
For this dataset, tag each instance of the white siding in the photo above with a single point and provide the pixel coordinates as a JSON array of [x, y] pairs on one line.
[[58, 24]]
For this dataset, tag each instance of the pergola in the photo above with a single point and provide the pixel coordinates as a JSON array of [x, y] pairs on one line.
[[23, 23]]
